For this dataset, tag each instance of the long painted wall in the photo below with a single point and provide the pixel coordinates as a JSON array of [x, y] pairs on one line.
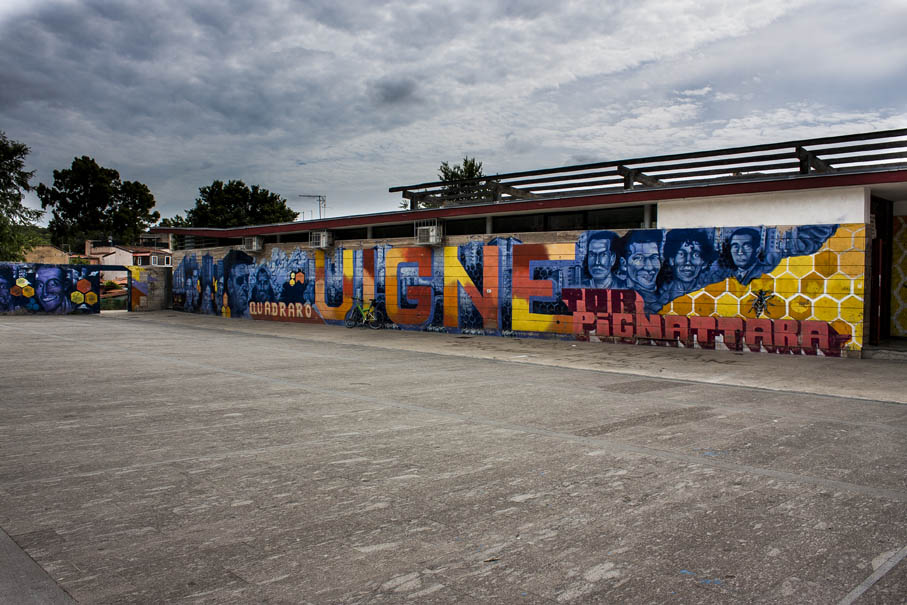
[[49, 289], [772, 289]]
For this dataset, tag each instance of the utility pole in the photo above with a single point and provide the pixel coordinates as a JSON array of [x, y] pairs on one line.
[[322, 204]]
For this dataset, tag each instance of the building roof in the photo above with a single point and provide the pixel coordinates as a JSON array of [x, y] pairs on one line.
[[877, 159]]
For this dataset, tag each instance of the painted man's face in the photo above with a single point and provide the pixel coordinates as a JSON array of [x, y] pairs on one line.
[[743, 250], [687, 262], [49, 288], [5, 297], [642, 265], [261, 282], [239, 286], [600, 259]]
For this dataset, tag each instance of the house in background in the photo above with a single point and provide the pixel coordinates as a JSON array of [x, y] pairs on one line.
[[47, 254], [115, 254]]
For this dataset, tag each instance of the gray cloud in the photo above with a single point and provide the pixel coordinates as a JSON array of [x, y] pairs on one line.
[[346, 99]]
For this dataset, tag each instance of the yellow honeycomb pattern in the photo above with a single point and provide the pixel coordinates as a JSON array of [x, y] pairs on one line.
[[899, 278], [827, 286]]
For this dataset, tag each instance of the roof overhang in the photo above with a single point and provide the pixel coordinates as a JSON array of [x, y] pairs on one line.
[[881, 181]]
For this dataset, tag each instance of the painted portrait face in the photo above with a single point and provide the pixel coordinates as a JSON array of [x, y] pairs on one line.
[[239, 286], [5, 297], [600, 259], [49, 288], [642, 265], [687, 262], [743, 250]]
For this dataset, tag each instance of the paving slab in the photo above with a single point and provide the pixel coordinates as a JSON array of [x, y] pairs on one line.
[[165, 457]]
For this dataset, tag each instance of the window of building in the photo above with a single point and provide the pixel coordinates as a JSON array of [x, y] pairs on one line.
[[388, 231], [518, 223], [565, 221], [347, 234], [627, 217], [469, 226]]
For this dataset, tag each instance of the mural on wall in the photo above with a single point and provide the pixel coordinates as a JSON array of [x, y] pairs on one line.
[[744, 286], [899, 277], [51, 289], [142, 285]]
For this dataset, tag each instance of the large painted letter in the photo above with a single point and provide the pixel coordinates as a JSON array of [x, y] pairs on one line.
[[397, 290], [526, 289], [334, 313], [455, 277]]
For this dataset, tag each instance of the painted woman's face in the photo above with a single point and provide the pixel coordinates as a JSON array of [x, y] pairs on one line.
[[688, 261]]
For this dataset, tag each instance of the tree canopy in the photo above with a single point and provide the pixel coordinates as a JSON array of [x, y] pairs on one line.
[[458, 193], [91, 202], [17, 235], [177, 221], [234, 205]]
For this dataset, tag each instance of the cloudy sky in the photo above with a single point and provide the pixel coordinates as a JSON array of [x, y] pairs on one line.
[[347, 98]]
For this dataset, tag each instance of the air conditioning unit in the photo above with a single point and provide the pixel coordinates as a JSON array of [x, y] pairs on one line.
[[252, 244], [426, 236], [320, 239]]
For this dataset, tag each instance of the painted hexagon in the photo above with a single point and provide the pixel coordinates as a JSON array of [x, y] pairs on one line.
[[838, 286], [825, 308], [799, 308], [736, 288], [682, 305], [21, 282], [841, 241], [704, 304], [842, 327], [800, 265], [852, 309], [83, 286], [77, 297], [786, 284], [852, 263], [728, 305], [91, 298], [766, 282], [16, 290], [718, 288], [28, 291], [826, 263], [812, 285]]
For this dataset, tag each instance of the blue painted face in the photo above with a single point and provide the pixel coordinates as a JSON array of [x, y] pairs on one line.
[[687, 262], [642, 265], [49, 288], [743, 250]]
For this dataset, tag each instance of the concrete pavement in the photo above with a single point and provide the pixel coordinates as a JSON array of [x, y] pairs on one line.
[[167, 457]]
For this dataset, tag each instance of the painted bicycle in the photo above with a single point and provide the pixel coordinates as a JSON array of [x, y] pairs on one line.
[[371, 315]]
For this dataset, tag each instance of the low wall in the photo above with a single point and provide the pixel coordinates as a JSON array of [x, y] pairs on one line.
[[779, 289], [49, 289], [149, 288]]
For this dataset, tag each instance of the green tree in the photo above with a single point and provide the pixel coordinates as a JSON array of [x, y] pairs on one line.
[[91, 202], [455, 192], [236, 204], [16, 219], [177, 221]]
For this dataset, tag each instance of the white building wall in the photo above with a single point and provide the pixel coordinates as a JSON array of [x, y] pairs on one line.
[[811, 207]]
